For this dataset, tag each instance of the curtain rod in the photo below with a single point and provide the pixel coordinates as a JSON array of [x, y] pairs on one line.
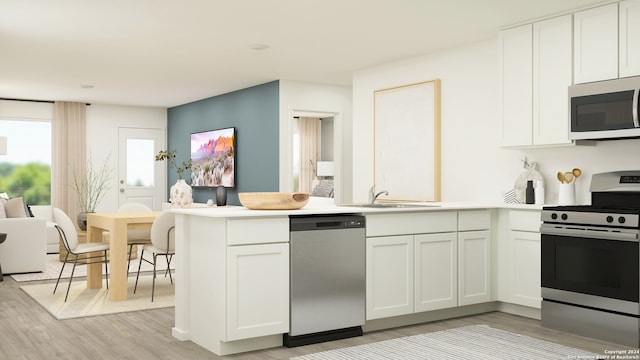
[[37, 101]]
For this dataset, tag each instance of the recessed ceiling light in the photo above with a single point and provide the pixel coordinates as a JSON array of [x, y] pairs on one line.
[[86, 86], [258, 47]]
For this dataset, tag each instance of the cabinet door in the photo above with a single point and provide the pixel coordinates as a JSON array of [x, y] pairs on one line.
[[595, 46], [389, 276], [629, 38], [436, 271], [526, 272], [552, 74], [257, 290], [515, 86], [474, 260]]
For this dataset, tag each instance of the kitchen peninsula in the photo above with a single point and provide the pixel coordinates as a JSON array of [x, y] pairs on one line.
[[232, 268]]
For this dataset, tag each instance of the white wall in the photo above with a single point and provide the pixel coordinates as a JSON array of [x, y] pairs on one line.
[[474, 167], [103, 122], [298, 96]]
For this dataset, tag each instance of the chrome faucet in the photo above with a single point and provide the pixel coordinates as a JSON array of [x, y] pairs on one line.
[[373, 196]]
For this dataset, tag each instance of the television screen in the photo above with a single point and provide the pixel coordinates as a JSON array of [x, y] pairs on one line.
[[213, 158]]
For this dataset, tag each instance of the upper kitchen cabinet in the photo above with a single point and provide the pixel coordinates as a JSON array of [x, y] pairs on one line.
[[596, 44], [536, 65], [515, 55], [552, 66], [629, 38]]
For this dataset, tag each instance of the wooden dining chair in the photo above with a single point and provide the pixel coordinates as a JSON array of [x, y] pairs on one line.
[[162, 243], [69, 238]]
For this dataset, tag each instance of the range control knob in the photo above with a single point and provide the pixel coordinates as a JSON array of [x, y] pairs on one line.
[[554, 216], [564, 217], [622, 220], [609, 219]]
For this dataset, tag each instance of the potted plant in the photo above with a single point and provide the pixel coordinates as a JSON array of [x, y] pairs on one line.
[[180, 193], [91, 187]]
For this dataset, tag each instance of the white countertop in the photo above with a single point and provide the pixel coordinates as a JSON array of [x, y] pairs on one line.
[[320, 209]]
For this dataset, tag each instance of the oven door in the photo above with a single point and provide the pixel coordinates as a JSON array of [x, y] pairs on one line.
[[591, 267]]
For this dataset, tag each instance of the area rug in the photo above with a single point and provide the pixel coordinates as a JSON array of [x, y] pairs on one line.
[[52, 269], [470, 342], [91, 302]]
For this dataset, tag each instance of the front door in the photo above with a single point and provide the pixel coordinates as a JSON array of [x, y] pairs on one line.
[[139, 179]]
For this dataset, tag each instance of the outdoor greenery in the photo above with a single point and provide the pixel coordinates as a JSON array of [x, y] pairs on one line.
[[32, 181]]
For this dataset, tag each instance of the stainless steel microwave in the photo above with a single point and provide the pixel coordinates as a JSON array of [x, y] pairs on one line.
[[605, 109]]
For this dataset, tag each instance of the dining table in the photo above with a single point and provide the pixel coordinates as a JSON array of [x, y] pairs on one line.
[[117, 224]]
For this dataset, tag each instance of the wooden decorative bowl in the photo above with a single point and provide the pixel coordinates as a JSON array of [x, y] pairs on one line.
[[273, 200]]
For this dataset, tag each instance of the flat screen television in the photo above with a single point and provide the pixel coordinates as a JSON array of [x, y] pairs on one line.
[[213, 158]]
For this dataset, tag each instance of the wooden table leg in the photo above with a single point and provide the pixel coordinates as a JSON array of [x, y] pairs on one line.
[[94, 271], [118, 261]]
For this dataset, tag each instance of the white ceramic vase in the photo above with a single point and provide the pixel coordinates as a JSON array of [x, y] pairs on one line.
[[181, 195]]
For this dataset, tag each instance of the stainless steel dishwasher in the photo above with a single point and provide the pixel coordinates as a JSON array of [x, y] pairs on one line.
[[327, 278]]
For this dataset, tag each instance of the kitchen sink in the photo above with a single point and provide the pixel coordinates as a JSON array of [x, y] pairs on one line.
[[390, 205]]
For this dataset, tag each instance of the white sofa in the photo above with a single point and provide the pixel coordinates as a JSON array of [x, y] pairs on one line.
[[53, 239], [24, 250]]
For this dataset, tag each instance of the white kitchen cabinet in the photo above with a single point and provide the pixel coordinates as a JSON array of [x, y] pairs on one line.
[[436, 271], [595, 46], [474, 257], [536, 71], [552, 66], [516, 85], [258, 290], [629, 32], [519, 259], [526, 272], [389, 276]]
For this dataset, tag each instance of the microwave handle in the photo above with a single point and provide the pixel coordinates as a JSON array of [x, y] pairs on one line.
[[636, 123]]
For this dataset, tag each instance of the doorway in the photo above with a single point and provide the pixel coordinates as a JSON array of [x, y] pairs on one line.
[[313, 154], [140, 178]]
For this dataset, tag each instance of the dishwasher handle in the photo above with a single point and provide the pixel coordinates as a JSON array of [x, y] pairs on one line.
[[313, 223]]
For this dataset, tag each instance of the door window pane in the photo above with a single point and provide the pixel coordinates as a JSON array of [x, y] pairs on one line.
[[140, 162]]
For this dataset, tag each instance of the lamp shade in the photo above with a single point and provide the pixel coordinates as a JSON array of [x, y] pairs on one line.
[[325, 168], [3, 145]]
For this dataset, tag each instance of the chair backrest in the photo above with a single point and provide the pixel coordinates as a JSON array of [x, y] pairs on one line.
[[134, 207], [163, 232], [66, 229]]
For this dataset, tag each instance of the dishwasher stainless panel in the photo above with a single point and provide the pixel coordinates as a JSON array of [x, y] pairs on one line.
[[327, 277]]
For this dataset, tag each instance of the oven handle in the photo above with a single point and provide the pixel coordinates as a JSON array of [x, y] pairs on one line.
[[636, 123], [550, 229]]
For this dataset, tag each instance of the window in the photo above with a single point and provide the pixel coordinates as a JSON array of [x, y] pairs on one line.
[[26, 169]]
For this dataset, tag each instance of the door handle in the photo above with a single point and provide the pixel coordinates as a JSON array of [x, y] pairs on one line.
[[636, 123], [121, 190]]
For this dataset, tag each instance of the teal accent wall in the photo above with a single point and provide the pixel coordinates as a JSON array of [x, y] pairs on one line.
[[254, 112]]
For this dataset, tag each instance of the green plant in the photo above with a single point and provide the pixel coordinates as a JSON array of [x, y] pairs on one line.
[[170, 156], [93, 185]]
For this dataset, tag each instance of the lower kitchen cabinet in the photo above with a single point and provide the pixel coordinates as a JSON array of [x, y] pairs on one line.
[[526, 274], [436, 271], [389, 276], [258, 290], [519, 258], [474, 257]]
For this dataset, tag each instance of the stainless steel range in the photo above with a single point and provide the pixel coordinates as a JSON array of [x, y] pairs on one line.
[[591, 262]]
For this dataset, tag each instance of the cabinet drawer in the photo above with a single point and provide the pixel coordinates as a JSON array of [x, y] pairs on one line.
[[524, 220], [411, 223], [474, 220], [257, 231]]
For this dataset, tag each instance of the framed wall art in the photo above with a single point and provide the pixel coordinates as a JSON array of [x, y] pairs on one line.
[[407, 141]]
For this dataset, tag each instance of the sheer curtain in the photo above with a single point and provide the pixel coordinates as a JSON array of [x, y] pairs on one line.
[[69, 145], [309, 132]]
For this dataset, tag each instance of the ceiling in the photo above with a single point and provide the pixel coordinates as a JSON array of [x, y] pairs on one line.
[[168, 53]]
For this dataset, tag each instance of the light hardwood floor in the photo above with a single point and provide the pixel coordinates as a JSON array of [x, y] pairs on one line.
[[30, 332]]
